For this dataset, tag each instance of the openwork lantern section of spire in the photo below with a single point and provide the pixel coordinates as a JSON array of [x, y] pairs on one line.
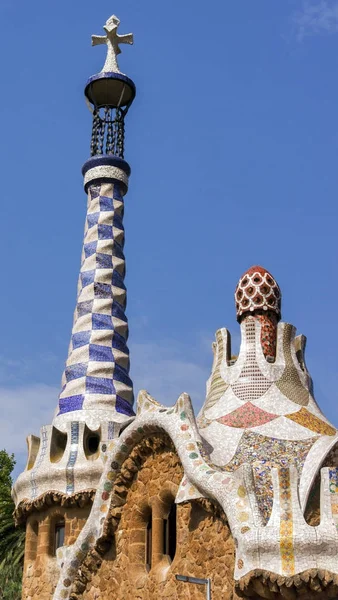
[[110, 94]]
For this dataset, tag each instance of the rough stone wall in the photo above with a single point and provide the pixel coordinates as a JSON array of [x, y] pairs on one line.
[[40, 568], [204, 544]]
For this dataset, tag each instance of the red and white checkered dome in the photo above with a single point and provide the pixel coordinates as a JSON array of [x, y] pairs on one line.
[[257, 290]]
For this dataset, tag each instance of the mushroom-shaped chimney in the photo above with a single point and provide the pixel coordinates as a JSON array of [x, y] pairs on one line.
[[258, 296], [257, 291]]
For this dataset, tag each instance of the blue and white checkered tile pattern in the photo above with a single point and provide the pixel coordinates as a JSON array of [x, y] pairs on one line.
[[97, 370]]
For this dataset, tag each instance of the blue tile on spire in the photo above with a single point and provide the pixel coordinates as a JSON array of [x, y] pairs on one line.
[[119, 343], [117, 222], [90, 248], [122, 376], [105, 232], [118, 311], [87, 277], [100, 353], [106, 203], [102, 290], [117, 192], [102, 321], [104, 261], [83, 308], [70, 403], [94, 191], [99, 385], [92, 219], [123, 406], [117, 280], [80, 339], [75, 371], [118, 250]]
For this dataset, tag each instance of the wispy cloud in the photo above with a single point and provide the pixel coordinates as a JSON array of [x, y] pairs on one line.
[[165, 369], [24, 410], [316, 17]]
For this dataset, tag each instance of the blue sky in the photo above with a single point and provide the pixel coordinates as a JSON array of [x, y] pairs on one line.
[[233, 144]]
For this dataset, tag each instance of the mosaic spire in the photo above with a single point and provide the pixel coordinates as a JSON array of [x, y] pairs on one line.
[[96, 378]]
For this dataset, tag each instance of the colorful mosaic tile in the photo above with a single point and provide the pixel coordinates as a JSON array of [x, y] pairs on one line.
[[217, 385], [286, 523], [268, 323], [251, 383], [257, 290], [265, 453], [290, 384], [306, 419], [247, 415], [333, 485]]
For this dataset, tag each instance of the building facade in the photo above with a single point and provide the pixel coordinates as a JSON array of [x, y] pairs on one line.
[[240, 502]]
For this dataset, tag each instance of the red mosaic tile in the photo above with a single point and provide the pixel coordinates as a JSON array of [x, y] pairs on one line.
[[247, 416]]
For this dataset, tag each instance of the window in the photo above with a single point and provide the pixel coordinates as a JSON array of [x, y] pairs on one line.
[[149, 546], [169, 533], [58, 445], [91, 443], [59, 534]]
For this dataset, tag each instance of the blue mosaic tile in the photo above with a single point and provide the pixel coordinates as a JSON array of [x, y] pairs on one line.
[[72, 458], [75, 371], [80, 339], [121, 375], [92, 219], [99, 385], [94, 191], [117, 280], [119, 343], [105, 232], [102, 290], [70, 403], [118, 312], [118, 251], [100, 353], [89, 248], [123, 406], [117, 192], [106, 204], [87, 277], [118, 223], [83, 308], [104, 261], [102, 321]]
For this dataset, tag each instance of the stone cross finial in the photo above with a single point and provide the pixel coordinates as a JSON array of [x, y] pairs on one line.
[[113, 40]]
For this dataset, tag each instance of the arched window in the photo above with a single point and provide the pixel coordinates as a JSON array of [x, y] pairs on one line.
[[149, 544], [169, 533], [91, 443], [59, 534]]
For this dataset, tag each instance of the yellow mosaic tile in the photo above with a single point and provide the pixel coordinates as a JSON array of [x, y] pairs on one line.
[[286, 524], [306, 419]]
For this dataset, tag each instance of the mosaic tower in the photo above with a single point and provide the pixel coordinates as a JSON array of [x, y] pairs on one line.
[[96, 398], [96, 382]]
